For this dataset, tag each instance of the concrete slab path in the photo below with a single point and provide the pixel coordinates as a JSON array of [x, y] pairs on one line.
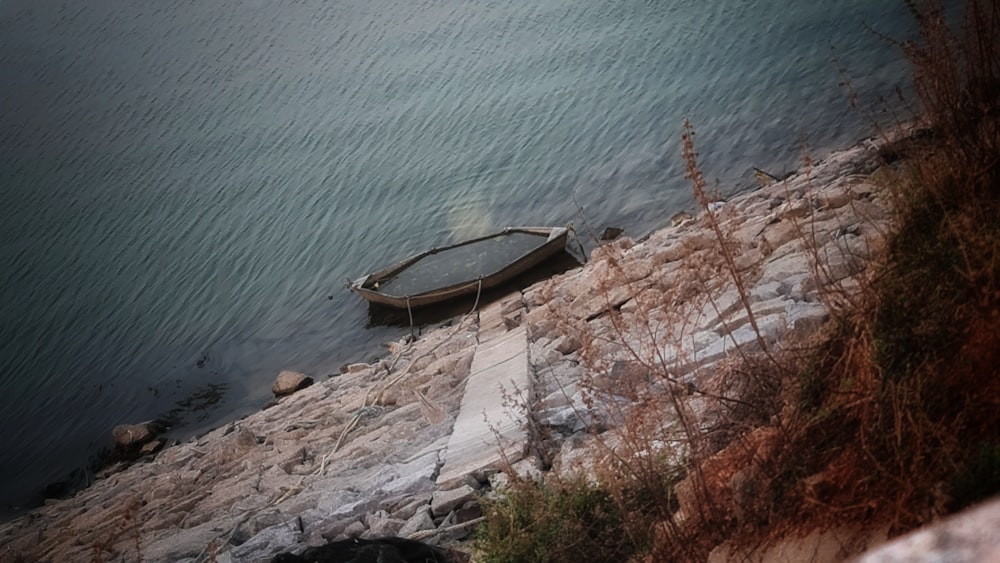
[[491, 418]]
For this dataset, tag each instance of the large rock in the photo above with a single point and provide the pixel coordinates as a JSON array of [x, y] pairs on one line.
[[289, 382]]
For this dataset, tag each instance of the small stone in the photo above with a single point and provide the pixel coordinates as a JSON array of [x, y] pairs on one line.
[[528, 468], [763, 177], [499, 481], [469, 512], [406, 511], [264, 521], [512, 321], [353, 530], [446, 501], [289, 382], [419, 522], [844, 231], [512, 304], [453, 523], [833, 198], [794, 209], [370, 518], [384, 527], [151, 447], [563, 420], [611, 233], [680, 218], [133, 435], [110, 470], [567, 344], [356, 368], [338, 529]]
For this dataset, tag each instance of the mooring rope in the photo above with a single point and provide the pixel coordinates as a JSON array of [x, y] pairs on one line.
[[409, 311], [479, 291]]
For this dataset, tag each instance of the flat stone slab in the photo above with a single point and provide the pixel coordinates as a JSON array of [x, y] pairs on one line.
[[487, 421], [491, 323]]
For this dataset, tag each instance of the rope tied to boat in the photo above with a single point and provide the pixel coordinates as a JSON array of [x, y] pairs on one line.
[[576, 237], [479, 291], [409, 311]]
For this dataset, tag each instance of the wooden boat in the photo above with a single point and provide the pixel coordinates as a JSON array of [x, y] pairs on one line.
[[466, 268]]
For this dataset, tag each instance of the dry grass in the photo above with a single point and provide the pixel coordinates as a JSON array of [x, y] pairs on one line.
[[891, 418], [898, 417]]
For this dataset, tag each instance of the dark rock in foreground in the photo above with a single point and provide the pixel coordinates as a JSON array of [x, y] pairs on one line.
[[379, 550]]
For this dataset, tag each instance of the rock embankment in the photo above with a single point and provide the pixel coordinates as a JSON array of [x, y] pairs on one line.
[[402, 447]]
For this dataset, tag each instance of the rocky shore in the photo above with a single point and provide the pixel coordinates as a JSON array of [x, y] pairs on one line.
[[404, 446]]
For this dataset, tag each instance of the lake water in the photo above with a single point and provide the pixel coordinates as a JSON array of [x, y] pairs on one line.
[[184, 183]]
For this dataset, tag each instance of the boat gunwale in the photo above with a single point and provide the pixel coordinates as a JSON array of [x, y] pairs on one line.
[[556, 241]]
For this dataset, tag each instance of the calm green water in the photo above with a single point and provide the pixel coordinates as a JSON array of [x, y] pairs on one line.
[[184, 183]]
